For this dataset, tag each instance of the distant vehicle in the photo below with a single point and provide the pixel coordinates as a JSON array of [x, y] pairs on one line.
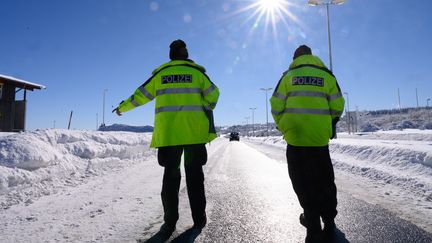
[[234, 136]]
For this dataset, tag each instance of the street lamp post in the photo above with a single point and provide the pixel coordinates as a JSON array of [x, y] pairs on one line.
[[347, 113], [103, 107], [253, 121], [266, 90], [327, 4]]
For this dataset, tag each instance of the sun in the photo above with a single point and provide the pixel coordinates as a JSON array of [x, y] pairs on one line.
[[269, 13], [270, 5]]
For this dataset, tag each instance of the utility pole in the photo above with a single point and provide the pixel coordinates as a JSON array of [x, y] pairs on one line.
[[348, 113], [357, 118], [253, 121], [247, 124], [70, 119], [97, 121], [427, 107], [266, 102], [399, 103]]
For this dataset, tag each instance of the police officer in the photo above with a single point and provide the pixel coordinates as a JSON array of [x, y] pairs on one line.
[[185, 98], [306, 105]]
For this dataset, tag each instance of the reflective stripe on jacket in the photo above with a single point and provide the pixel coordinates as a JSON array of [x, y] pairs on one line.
[[305, 101], [185, 98]]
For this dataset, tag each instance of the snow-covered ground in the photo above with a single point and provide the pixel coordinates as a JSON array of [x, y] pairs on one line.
[[389, 168]]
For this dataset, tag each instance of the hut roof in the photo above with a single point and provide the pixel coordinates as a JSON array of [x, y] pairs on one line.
[[19, 83]]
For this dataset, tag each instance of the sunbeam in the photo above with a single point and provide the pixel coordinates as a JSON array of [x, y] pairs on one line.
[[270, 13]]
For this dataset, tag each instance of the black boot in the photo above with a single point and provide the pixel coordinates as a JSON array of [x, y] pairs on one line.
[[201, 224], [329, 231], [314, 236], [163, 234], [302, 220], [165, 231], [313, 228]]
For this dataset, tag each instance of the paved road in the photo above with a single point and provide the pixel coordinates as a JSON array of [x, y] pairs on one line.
[[250, 199]]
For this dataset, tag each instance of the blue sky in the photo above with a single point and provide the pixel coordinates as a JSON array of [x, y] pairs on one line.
[[79, 48]]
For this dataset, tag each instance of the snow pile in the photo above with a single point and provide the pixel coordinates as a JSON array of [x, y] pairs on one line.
[[407, 134], [369, 127], [277, 141], [38, 163], [406, 164], [126, 128]]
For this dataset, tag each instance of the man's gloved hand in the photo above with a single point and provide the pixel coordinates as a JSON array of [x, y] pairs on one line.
[[334, 122], [116, 110]]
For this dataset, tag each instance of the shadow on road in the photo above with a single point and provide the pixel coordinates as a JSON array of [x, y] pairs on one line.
[[191, 234], [340, 237], [188, 236], [159, 237]]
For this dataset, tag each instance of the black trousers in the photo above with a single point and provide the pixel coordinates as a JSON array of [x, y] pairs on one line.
[[195, 157], [312, 177]]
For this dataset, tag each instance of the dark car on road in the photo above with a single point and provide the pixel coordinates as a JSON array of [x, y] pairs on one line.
[[234, 136]]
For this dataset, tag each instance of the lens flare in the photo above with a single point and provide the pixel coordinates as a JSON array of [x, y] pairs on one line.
[[270, 5], [269, 13]]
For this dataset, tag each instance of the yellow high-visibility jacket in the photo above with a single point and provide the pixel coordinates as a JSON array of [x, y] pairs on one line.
[[185, 99], [306, 101]]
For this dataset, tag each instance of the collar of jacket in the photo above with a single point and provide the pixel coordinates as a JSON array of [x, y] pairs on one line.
[[187, 62], [307, 59]]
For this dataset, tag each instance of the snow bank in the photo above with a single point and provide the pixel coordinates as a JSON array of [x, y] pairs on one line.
[[405, 165], [406, 134], [126, 128], [36, 163]]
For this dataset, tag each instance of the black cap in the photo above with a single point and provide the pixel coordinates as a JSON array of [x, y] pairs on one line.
[[178, 50], [302, 50]]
